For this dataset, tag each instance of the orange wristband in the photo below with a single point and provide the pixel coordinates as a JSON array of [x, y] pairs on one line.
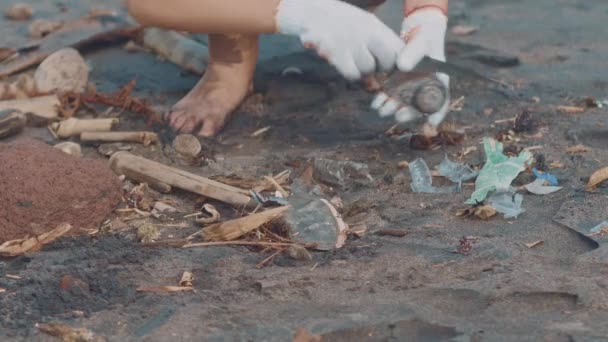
[[443, 10]]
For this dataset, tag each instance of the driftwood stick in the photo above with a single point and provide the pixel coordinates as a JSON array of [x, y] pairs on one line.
[[145, 138], [73, 126], [234, 229], [43, 106], [143, 170]]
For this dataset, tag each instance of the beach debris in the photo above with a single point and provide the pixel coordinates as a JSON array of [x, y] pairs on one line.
[[19, 12], [341, 173], [187, 145], [41, 28], [498, 172], [120, 99], [422, 179], [535, 244], [187, 279], [466, 244], [580, 148], [144, 138], [600, 229], [431, 137], [70, 148], [456, 172], [212, 215], [507, 203], [67, 333], [571, 109], [303, 335], [582, 214], [72, 126], [597, 178], [177, 48], [266, 201], [546, 177], [12, 122], [164, 289], [64, 70], [298, 252], [483, 212], [148, 232], [317, 222], [159, 208], [43, 106], [392, 232], [464, 30], [234, 229], [147, 171], [538, 187], [21, 246]]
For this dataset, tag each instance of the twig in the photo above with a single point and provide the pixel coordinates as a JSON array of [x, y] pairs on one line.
[[277, 186], [267, 260], [243, 243]]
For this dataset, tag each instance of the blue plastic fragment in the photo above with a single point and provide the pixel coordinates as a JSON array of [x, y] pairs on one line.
[[549, 178]]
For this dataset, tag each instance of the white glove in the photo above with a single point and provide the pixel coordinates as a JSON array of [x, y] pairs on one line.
[[351, 39], [424, 34]]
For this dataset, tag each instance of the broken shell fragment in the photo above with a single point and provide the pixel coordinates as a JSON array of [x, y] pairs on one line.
[[19, 12], [187, 145], [70, 148], [64, 70]]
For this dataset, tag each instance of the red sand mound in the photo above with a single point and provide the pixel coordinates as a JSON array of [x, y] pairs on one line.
[[42, 187]]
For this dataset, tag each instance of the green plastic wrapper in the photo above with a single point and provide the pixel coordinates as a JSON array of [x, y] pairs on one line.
[[499, 171]]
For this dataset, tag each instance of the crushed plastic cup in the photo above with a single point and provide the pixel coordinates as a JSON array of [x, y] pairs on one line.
[[422, 180]]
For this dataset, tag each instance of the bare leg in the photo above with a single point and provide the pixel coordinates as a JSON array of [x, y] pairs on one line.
[[226, 82]]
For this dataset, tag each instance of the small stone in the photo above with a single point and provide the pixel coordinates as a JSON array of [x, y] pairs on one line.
[[41, 28], [64, 70], [298, 253], [70, 148], [187, 145], [19, 12]]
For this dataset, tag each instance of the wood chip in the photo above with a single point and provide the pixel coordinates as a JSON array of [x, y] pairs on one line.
[[233, 229], [21, 246], [260, 131], [2, 290], [464, 30], [302, 335], [580, 148], [67, 333], [597, 178], [403, 164], [485, 213], [535, 244], [186, 280], [12, 276], [166, 289], [214, 215], [570, 109], [392, 232]]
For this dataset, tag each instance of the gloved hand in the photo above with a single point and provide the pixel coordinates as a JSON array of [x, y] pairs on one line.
[[351, 39], [423, 31]]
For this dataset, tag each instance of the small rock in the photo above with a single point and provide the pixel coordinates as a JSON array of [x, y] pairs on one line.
[[187, 145], [19, 12], [70, 283], [70, 148], [148, 233], [298, 253], [41, 28], [64, 70], [341, 173]]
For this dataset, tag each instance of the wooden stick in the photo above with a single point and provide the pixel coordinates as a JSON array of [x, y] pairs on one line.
[[145, 138], [73, 126], [239, 243], [177, 48], [43, 106], [144, 170], [234, 229]]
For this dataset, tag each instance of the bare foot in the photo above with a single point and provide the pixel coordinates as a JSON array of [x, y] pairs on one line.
[[226, 82]]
